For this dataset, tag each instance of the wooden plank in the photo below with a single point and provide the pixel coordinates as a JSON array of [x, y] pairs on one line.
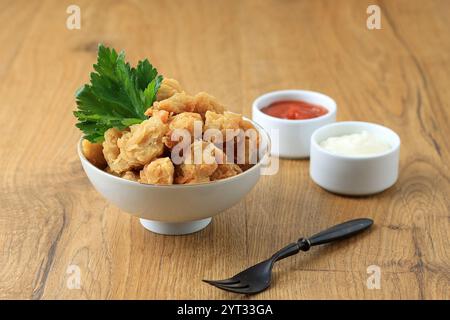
[[51, 218]]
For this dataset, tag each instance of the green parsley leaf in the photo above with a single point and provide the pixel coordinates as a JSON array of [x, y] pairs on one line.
[[117, 95]]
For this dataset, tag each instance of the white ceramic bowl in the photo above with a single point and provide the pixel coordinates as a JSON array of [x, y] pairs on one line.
[[291, 138], [354, 175], [173, 209]]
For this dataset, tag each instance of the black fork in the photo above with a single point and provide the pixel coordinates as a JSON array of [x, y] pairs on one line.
[[257, 278]]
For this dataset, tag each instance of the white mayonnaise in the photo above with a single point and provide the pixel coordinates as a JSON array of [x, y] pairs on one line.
[[356, 144]]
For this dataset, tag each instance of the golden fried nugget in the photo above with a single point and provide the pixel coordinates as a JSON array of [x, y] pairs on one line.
[[178, 103], [159, 171], [228, 123], [225, 171], [110, 171], [185, 120], [130, 175], [94, 153], [246, 155], [121, 165], [200, 164], [144, 142], [195, 173], [182, 121], [206, 102], [204, 152], [250, 131], [140, 145], [110, 149], [167, 89]]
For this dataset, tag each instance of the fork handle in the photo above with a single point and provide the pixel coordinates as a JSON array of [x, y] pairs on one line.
[[338, 232]]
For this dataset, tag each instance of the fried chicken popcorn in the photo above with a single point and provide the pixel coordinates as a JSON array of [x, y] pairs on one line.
[[194, 173], [130, 175], [206, 102], [141, 152], [167, 89], [182, 121], [200, 164], [135, 148], [178, 103], [111, 151], [225, 171], [227, 123], [185, 120], [144, 141], [159, 171], [250, 154], [94, 153]]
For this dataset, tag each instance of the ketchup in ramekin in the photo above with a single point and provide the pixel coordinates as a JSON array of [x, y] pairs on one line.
[[294, 110]]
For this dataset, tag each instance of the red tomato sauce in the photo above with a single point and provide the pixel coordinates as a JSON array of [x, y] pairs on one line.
[[294, 110]]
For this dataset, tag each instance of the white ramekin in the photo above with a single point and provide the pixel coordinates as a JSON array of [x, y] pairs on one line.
[[354, 175], [291, 138]]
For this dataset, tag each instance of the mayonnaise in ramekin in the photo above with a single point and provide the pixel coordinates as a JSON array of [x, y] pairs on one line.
[[363, 143]]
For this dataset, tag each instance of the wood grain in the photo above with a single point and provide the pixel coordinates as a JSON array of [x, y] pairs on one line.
[[51, 217]]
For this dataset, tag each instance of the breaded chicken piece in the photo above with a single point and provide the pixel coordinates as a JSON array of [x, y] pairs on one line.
[[246, 145], [194, 173], [248, 127], [110, 149], [186, 121], [108, 170], [167, 89], [159, 171], [142, 144], [130, 175], [223, 122], [206, 102], [178, 103], [183, 121], [200, 164], [94, 153], [120, 164], [250, 156], [225, 171]]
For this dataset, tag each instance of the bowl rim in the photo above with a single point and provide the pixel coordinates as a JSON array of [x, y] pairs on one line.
[[393, 149], [257, 109], [256, 166]]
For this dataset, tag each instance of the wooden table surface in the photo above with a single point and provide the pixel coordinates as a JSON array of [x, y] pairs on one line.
[[52, 219]]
